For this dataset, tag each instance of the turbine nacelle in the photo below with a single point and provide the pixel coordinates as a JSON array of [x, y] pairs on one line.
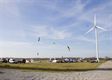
[[95, 27]]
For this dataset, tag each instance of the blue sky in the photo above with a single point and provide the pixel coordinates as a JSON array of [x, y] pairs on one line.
[[64, 22]]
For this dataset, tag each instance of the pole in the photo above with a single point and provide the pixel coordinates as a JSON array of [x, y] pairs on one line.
[[97, 48]]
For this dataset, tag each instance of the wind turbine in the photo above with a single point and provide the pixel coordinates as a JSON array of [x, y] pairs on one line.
[[95, 28]]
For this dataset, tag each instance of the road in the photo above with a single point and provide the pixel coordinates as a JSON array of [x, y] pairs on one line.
[[105, 73]]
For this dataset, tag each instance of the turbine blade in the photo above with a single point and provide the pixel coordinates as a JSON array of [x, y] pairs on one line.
[[101, 28], [89, 30], [95, 20]]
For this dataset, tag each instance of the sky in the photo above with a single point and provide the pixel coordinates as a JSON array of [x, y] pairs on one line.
[[63, 22]]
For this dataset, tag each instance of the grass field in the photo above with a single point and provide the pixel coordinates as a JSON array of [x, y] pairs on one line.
[[46, 66]]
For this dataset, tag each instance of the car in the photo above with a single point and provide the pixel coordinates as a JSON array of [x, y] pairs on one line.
[[11, 61], [94, 61], [66, 60], [55, 61]]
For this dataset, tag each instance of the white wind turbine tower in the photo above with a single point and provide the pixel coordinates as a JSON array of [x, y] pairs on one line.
[[95, 28]]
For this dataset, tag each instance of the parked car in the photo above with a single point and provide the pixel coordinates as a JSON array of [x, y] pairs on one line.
[[94, 61], [54, 61], [19, 61], [4, 60], [11, 61], [66, 60]]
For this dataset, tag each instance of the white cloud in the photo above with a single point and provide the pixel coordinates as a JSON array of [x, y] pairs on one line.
[[50, 32], [60, 34], [14, 44], [9, 8], [83, 38], [16, 49]]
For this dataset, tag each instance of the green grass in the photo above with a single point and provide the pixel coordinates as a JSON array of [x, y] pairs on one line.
[[81, 66]]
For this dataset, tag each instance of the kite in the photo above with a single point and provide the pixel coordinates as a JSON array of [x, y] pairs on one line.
[[38, 39], [37, 53], [68, 48], [54, 43]]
